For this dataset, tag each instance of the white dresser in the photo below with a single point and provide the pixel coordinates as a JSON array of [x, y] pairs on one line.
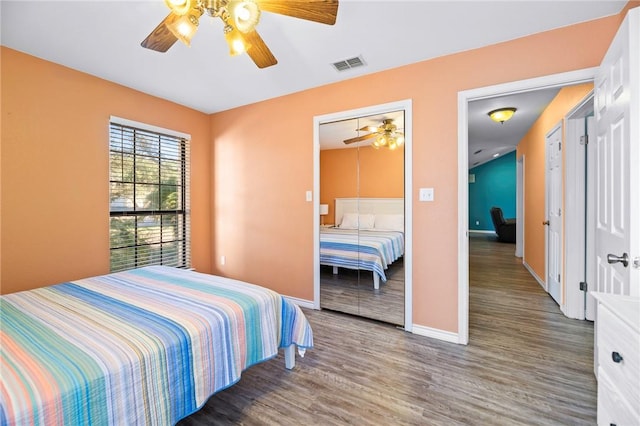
[[617, 359]]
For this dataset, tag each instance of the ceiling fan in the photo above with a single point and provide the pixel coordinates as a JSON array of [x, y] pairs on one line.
[[240, 19], [386, 135]]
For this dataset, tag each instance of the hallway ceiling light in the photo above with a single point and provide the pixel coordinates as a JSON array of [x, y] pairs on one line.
[[502, 114]]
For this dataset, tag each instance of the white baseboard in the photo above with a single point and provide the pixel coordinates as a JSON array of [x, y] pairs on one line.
[[447, 336], [420, 330], [535, 276], [479, 231], [300, 302]]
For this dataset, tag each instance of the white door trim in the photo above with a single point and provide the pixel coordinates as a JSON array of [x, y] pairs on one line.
[[575, 208], [590, 270], [520, 207], [464, 97], [405, 105]]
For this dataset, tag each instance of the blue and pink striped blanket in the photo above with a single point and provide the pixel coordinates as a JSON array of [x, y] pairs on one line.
[[146, 346]]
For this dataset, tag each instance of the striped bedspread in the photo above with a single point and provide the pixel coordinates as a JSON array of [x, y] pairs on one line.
[[146, 346], [367, 250]]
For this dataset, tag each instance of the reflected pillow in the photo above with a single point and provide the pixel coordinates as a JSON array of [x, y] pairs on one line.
[[367, 221], [390, 222], [357, 221], [349, 221]]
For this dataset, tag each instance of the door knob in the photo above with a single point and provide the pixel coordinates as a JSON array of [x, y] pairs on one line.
[[616, 357], [545, 223], [624, 259]]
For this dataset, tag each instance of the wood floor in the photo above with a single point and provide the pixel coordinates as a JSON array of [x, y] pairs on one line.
[[526, 364], [352, 292]]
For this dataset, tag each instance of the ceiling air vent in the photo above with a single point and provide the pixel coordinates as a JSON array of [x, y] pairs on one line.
[[347, 64]]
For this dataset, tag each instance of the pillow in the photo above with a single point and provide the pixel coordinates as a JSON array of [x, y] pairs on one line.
[[367, 221], [357, 221], [390, 222], [349, 221]]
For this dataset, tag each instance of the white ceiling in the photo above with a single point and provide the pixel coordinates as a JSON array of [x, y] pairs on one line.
[[495, 139], [103, 38]]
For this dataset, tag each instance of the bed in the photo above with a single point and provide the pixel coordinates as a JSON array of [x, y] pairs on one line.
[[145, 346], [368, 235]]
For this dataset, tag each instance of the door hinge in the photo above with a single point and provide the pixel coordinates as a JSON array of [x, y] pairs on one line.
[[558, 277], [559, 146], [583, 286], [584, 140]]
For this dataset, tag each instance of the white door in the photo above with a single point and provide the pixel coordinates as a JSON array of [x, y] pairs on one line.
[[617, 163], [554, 213]]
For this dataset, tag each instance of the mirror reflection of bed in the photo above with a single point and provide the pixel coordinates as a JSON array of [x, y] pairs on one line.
[[361, 265]]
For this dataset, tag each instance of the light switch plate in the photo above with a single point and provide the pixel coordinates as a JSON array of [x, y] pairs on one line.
[[309, 196], [426, 194]]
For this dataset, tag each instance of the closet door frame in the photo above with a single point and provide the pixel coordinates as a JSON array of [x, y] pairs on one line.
[[406, 106]]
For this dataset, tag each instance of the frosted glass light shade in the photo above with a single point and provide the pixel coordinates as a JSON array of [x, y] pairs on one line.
[[501, 115]]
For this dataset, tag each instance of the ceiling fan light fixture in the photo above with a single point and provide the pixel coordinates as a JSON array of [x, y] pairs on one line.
[[501, 115], [379, 142], [237, 43], [184, 28], [245, 15], [179, 7]]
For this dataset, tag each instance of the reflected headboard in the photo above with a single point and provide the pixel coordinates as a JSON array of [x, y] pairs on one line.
[[367, 205]]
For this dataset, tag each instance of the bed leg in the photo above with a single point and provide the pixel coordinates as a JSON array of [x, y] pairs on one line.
[[335, 270], [290, 356], [376, 281]]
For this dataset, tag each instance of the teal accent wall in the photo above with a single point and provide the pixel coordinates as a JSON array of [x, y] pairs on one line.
[[495, 185]]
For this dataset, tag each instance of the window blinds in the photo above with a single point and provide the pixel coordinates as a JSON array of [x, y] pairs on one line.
[[149, 198]]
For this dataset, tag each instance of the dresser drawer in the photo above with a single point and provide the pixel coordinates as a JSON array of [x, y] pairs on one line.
[[617, 338], [612, 409]]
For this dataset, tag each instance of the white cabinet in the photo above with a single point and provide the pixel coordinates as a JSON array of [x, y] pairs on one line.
[[617, 359]]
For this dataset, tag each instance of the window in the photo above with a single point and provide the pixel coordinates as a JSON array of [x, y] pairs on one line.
[[149, 198]]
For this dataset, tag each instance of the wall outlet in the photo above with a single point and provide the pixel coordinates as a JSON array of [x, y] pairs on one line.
[[223, 260], [478, 222], [425, 194]]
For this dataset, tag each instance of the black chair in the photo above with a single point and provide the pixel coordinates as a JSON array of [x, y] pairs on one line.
[[505, 228]]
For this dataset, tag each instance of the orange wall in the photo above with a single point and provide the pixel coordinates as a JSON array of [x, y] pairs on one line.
[[55, 170], [533, 147], [381, 174], [264, 226]]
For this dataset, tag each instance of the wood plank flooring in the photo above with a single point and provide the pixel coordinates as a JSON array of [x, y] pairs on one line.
[[352, 292], [526, 364]]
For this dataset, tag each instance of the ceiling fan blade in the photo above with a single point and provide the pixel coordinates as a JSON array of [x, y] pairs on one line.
[[360, 138], [259, 52], [322, 11], [161, 39]]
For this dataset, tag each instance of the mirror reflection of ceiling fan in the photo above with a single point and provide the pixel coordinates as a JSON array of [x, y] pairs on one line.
[[240, 19], [385, 135]]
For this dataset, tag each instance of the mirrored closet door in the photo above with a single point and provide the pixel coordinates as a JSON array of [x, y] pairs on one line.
[[362, 217]]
